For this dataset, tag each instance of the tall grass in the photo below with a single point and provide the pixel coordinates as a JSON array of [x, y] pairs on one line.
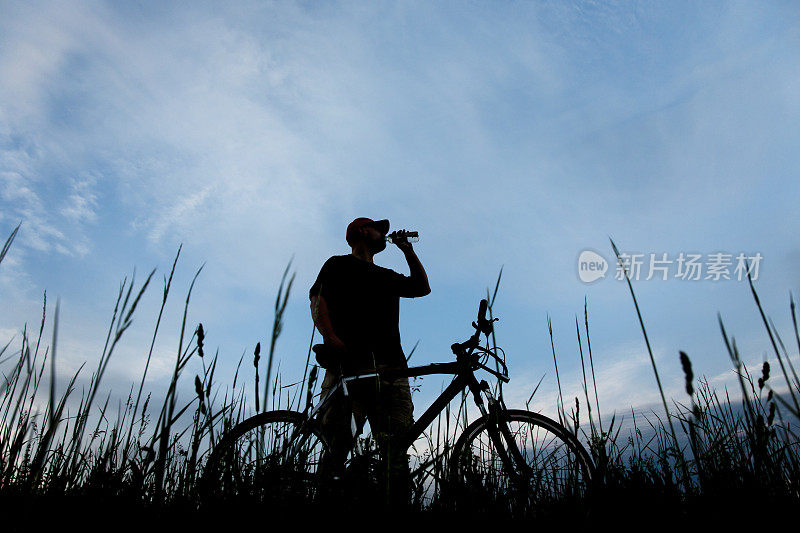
[[150, 451]]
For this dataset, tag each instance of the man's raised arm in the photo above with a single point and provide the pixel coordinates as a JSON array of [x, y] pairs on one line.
[[417, 271]]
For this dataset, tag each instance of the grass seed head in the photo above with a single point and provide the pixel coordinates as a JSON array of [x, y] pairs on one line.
[[686, 364], [764, 375], [200, 338]]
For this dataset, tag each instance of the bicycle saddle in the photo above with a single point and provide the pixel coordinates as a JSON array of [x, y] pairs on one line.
[[326, 356]]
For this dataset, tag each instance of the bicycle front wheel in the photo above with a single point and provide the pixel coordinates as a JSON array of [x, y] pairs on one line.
[[271, 456], [525, 463]]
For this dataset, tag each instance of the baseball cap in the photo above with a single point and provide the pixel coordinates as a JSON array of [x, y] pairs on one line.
[[360, 222]]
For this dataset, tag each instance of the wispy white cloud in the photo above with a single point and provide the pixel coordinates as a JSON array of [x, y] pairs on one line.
[[82, 201]]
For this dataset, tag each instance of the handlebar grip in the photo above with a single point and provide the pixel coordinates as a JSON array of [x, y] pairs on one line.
[[484, 326]]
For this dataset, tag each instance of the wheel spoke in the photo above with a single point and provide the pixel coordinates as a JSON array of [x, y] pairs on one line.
[[556, 469], [273, 455]]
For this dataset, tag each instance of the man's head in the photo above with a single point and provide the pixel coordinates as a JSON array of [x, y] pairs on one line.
[[370, 232]]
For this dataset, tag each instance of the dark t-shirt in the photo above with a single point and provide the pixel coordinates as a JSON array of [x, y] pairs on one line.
[[363, 302]]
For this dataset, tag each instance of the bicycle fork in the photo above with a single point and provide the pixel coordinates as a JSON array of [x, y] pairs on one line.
[[503, 441]]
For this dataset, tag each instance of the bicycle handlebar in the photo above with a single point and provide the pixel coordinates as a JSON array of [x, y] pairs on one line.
[[462, 349], [502, 376], [483, 326]]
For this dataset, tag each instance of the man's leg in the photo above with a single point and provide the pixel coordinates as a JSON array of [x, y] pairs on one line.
[[392, 416], [336, 423]]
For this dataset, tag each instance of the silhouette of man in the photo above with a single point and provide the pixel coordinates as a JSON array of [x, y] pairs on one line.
[[355, 306]]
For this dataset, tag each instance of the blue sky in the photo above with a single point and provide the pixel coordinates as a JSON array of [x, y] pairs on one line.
[[508, 134]]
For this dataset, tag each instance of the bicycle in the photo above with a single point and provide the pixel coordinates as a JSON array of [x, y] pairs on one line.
[[518, 457]]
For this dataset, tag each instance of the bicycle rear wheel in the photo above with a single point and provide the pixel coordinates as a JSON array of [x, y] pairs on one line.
[[271, 456], [535, 467]]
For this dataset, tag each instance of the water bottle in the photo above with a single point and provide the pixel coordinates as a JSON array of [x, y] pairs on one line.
[[402, 236]]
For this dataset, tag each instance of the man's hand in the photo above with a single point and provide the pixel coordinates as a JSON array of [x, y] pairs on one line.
[[405, 246]]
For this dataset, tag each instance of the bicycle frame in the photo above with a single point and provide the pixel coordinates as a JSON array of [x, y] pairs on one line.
[[464, 370], [464, 379]]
